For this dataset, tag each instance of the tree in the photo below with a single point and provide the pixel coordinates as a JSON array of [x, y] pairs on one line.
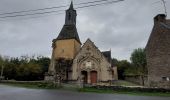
[[44, 62], [25, 68], [138, 59], [1, 67], [115, 61], [123, 65]]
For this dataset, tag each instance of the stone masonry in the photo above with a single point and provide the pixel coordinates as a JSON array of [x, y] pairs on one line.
[[158, 53]]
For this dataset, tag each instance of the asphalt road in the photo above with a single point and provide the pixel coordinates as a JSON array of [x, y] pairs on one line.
[[15, 93]]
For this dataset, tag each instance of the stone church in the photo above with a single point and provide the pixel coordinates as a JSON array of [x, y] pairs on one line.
[[72, 61], [158, 53]]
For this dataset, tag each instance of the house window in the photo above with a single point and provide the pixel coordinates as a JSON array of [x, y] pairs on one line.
[[165, 78]]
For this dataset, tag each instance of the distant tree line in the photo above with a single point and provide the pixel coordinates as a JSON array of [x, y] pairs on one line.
[[24, 68], [136, 65], [33, 68]]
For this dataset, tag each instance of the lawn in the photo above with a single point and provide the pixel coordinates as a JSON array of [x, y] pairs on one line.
[[94, 90]]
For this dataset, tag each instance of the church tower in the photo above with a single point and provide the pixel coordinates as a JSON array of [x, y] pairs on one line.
[[65, 46]]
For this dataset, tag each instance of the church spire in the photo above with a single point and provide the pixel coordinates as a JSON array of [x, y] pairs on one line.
[[69, 30], [70, 15], [71, 5]]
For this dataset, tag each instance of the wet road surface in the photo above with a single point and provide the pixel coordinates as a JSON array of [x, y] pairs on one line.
[[15, 93]]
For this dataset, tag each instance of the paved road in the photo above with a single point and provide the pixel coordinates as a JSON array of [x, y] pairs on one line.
[[15, 93]]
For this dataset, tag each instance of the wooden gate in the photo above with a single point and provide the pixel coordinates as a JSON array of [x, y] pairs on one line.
[[93, 76]]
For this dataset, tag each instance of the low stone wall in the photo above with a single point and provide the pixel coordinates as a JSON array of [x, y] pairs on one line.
[[137, 79], [159, 84]]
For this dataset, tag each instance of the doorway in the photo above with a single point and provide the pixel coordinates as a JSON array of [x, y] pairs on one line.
[[93, 76], [84, 74]]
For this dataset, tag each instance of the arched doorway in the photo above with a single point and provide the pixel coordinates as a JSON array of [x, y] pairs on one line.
[[84, 76], [93, 76]]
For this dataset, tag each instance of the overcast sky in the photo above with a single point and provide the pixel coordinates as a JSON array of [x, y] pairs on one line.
[[121, 27]]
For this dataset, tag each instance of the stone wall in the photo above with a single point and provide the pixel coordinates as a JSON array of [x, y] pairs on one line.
[[66, 48], [158, 53], [137, 79]]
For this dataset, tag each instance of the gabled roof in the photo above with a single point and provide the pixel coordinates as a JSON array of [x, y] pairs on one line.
[[160, 36], [68, 32], [107, 55]]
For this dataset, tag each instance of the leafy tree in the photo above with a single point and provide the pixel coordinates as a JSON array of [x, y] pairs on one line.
[[138, 59], [35, 71], [25, 68], [9, 70], [115, 61], [44, 62], [1, 66], [123, 65], [1, 60]]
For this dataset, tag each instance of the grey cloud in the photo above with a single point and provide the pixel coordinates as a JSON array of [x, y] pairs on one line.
[[121, 27]]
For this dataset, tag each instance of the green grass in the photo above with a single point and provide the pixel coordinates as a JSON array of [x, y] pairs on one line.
[[124, 83], [93, 90]]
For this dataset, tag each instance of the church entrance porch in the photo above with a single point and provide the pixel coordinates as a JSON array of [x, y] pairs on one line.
[[93, 77], [89, 77]]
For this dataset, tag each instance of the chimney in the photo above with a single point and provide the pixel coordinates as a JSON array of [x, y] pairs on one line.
[[160, 18]]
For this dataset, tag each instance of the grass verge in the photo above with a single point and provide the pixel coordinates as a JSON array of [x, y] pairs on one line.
[[94, 90]]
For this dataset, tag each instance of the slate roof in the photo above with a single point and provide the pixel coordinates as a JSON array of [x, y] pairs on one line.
[[159, 40], [69, 32], [107, 54], [71, 6]]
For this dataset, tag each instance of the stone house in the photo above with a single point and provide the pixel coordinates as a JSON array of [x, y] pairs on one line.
[[158, 53], [72, 62]]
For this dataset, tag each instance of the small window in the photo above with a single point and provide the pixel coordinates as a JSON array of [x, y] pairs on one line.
[[165, 78]]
